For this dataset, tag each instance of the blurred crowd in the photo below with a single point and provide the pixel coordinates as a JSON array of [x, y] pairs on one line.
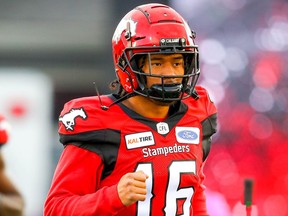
[[244, 57]]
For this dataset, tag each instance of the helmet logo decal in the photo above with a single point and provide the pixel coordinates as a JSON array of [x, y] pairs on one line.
[[123, 26], [173, 42], [68, 119]]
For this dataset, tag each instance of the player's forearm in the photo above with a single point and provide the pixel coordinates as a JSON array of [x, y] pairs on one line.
[[12, 205], [199, 202], [75, 189]]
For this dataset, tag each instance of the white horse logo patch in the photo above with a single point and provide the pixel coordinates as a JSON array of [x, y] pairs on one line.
[[68, 119]]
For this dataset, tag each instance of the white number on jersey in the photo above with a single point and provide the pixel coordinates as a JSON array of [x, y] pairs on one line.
[[173, 192]]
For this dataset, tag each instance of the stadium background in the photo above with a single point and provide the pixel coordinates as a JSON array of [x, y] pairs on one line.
[[244, 58]]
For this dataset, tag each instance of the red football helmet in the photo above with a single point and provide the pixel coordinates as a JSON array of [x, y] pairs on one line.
[[154, 29]]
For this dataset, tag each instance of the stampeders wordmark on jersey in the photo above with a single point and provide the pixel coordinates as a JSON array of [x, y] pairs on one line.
[[145, 140]]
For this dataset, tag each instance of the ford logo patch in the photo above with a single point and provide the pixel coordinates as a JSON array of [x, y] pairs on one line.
[[187, 135]]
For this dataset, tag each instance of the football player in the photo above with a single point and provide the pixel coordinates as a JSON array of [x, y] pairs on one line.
[[11, 201], [142, 150]]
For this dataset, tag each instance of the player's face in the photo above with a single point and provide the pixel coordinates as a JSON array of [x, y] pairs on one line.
[[164, 65]]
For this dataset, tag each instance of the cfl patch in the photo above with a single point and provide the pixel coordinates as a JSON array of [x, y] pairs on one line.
[[138, 140], [162, 128], [189, 135]]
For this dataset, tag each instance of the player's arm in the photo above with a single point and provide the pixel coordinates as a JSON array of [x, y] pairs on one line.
[[11, 201], [75, 186], [199, 197], [209, 127]]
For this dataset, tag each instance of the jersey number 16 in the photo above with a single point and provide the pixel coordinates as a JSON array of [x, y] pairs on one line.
[[173, 192]]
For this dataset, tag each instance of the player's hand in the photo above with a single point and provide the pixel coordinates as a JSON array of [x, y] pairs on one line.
[[132, 187]]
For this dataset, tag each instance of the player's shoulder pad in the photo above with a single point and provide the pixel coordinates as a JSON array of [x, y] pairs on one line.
[[203, 104], [81, 113], [203, 96], [203, 93], [4, 130]]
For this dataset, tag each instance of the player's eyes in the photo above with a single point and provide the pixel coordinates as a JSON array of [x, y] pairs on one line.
[[180, 63], [156, 64]]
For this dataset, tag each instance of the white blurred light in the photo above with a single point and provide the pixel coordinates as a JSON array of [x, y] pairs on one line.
[[274, 38], [261, 100], [216, 91], [215, 73], [212, 51], [236, 61]]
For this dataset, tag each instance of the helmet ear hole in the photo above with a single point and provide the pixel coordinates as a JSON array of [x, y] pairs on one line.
[[136, 64], [125, 74], [127, 80]]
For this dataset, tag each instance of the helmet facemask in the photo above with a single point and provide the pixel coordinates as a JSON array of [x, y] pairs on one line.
[[132, 62]]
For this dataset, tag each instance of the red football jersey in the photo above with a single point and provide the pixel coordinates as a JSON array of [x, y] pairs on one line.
[[101, 146]]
